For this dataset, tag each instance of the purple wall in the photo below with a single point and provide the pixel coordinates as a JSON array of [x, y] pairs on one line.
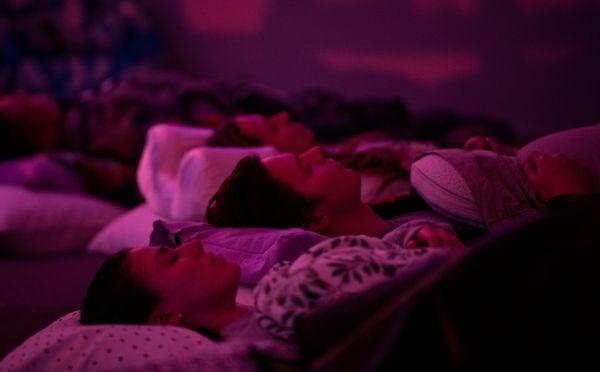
[[534, 63]]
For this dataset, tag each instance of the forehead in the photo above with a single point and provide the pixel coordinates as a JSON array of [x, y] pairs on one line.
[[282, 167], [143, 261]]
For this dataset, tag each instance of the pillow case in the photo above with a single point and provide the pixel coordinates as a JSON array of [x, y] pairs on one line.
[[256, 250], [40, 171], [66, 345], [177, 174], [37, 223], [131, 229]]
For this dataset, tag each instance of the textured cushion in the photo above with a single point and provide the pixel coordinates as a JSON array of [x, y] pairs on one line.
[[256, 250], [66, 345], [36, 223], [131, 229], [444, 189]]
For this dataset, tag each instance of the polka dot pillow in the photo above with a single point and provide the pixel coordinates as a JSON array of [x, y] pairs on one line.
[[66, 345]]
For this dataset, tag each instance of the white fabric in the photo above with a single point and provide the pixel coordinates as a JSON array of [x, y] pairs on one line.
[[66, 345], [36, 223], [131, 229], [177, 174], [444, 189]]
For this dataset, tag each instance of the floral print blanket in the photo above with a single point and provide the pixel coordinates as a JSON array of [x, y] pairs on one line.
[[332, 270]]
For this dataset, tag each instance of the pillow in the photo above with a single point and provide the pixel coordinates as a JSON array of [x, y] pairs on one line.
[[66, 345], [131, 229], [40, 171], [256, 250], [177, 174], [37, 223], [201, 172], [445, 190]]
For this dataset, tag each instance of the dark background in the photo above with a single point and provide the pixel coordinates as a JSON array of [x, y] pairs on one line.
[[533, 63]]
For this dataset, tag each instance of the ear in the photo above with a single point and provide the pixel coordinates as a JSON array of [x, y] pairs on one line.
[[319, 223], [161, 317]]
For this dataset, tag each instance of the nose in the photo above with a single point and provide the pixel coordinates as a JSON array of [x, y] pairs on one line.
[[314, 155]]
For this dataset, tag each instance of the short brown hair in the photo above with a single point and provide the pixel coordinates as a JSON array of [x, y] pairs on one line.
[[251, 197]]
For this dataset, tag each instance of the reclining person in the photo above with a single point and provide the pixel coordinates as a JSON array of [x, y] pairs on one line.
[[318, 194], [182, 167], [307, 191], [190, 287]]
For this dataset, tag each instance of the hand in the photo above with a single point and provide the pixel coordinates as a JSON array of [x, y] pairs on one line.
[[434, 236], [489, 144], [554, 175]]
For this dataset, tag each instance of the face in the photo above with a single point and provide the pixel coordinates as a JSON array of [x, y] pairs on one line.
[[334, 187], [278, 131], [37, 113], [186, 278]]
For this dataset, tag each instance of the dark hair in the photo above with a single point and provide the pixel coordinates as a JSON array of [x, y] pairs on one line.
[[251, 197], [228, 135], [115, 296]]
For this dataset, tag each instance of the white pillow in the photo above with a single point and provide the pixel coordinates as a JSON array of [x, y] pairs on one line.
[[66, 345], [201, 172], [445, 190], [177, 174], [36, 223], [131, 229]]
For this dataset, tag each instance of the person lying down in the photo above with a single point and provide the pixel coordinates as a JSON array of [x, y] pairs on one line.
[[318, 194], [192, 288], [182, 167], [187, 286]]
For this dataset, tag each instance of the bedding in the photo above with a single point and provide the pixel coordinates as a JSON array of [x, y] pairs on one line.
[[336, 269], [39, 171], [177, 175], [41, 223], [486, 190], [66, 345], [131, 229]]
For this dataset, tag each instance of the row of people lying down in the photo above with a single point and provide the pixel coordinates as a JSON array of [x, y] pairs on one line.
[[182, 167], [35, 152], [190, 287]]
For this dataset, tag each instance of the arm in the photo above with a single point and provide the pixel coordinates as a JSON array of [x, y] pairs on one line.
[[489, 144]]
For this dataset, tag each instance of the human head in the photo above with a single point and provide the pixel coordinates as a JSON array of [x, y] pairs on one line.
[[277, 131], [184, 286], [285, 191], [30, 123]]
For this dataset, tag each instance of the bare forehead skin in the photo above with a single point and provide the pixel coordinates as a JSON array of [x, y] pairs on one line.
[[143, 261], [282, 167]]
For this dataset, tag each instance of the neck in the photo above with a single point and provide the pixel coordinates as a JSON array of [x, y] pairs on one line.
[[360, 220], [216, 320]]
